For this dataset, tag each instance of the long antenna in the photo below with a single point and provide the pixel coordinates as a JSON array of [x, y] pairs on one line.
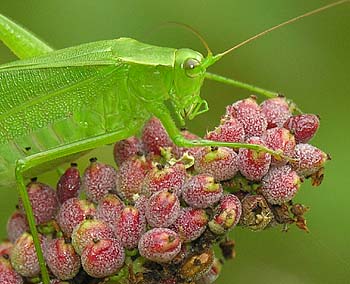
[[218, 56], [195, 32]]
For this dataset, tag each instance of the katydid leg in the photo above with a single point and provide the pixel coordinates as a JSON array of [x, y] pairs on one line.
[[164, 115], [29, 162]]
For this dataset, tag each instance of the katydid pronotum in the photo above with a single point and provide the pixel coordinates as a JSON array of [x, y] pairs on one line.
[[55, 104]]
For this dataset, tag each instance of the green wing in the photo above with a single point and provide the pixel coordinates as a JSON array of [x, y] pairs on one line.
[[39, 91]]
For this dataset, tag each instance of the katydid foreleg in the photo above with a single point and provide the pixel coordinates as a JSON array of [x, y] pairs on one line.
[[161, 112]]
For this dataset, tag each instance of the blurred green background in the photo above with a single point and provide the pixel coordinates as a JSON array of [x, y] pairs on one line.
[[308, 61]]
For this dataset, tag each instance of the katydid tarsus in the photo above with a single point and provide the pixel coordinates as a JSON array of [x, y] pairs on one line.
[[54, 104]]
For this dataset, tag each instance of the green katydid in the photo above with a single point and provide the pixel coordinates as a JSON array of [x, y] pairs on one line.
[[55, 104]]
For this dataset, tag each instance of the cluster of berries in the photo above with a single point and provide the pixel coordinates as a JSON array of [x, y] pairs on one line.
[[156, 217]]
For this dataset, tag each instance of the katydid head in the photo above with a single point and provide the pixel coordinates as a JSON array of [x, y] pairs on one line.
[[189, 75]]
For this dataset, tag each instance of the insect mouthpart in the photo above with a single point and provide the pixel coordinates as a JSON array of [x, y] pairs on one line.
[[195, 108]]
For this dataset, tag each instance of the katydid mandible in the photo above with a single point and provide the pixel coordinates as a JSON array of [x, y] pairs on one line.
[[55, 104]]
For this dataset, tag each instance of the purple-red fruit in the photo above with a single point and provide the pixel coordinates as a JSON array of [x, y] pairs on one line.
[[90, 230], [17, 224], [227, 214], [308, 159], [23, 256], [43, 200], [141, 204], [280, 184], [131, 175], [160, 245], [230, 130], [69, 184], [162, 209], [190, 224], [98, 180], [7, 274], [103, 258], [280, 139], [248, 113], [130, 227], [61, 258], [109, 209], [127, 148], [72, 212], [154, 136], [165, 178], [303, 126], [201, 191], [252, 164], [219, 162], [276, 111]]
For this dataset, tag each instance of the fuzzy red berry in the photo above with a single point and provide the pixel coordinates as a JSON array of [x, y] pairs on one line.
[[162, 209], [98, 180], [219, 162], [43, 200], [252, 164], [280, 184], [103, 258], [227, 214], [130, 227], [69, 184], [154, 136], [127, 148], [141, 204], [159, 245], [201, 191], [61, 258], [190, 224], [90, 230], [165, 178], [276, 111], [303, 126], [309, 159], [17, 224], [72, 212], [131, 175], [280, 139], [7, 274], [230, 130], [109, 209], [248, 113], [23, 256]]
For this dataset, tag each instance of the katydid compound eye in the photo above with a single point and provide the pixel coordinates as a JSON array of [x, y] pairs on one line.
[[190, 67]]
